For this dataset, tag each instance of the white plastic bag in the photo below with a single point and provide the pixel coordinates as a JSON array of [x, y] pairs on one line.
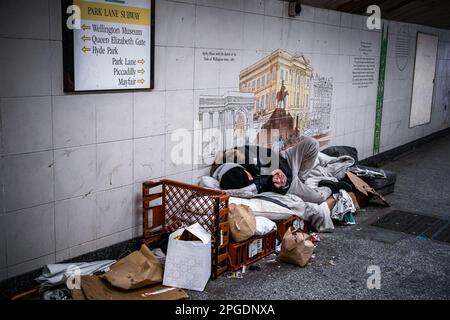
[[264, 226]]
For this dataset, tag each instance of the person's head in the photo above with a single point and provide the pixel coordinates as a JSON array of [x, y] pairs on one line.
[[235, 178]]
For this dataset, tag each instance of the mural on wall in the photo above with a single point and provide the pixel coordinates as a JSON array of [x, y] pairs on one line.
[[279, 93]]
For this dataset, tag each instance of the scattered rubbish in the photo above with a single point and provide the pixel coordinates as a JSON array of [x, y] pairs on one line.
[[244, 268], [147, 294], [137, 270], [315, 237], [234, 275], [349, 219], [160, 255], [255, 267], [56, 274], [277, 247], [422, 238], [58, 294], [332, 262]]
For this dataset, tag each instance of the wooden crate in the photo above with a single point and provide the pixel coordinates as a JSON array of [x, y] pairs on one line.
[[170, 205], [284, 225], [239, 252]]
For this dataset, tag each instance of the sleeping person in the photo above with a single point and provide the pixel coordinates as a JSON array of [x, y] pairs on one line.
[[255, 166]]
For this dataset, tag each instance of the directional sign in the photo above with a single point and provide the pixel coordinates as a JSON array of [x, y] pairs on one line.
[[113, 46]]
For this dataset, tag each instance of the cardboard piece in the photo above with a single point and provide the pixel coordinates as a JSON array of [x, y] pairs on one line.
[[364, 191], [242, 222], [296, 248], [94, 288], [137, 270], [188, 263]]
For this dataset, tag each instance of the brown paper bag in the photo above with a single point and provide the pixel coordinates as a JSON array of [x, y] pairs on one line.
[[296, 248], [242, 222], [137, 270]]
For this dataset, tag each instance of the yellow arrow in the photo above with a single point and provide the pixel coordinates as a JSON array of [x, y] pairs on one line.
[[141, 81], [85, 50], [85, 27], [142, 61], [142, 71], [85, 38]]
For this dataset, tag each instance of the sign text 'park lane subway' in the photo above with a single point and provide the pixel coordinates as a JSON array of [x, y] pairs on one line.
[[95, 11]]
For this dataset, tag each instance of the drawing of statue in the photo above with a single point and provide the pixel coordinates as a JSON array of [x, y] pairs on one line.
[[282, 96]]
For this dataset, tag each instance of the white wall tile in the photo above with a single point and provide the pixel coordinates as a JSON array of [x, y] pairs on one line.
[[346, 20], [359, 22], [55, 19], [114, 211], [273, 28], [57, 72], [75, 172], [25, 68], [26, 124], [114, 164], [114, 116], [307, 14], [160, 68], [219, 28], [232, 29], [179, 110], [115, 238], [273, 8], [253, 37], [230, 70], [27, 266], [149, 113], [293, 36], [73, 120], [254, 6], [179, 68], [175, 24], [30, 234], [179, 153], [207, 27], [149, 158], [75, 221], [28, 180], [326, 39], [33, 15], [207, 72], [229, 4], [186, 177], [76, 251], [137, 205]]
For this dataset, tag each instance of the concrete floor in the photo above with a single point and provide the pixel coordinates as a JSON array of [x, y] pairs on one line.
[[410, 268]]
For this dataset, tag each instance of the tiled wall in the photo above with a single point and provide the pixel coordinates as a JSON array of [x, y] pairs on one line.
[[72, 164]]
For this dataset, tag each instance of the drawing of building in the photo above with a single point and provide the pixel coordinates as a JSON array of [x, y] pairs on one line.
[[321, 99], [265, 78], [233, 110]]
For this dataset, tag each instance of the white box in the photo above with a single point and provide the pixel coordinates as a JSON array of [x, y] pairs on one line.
[[188, 263]]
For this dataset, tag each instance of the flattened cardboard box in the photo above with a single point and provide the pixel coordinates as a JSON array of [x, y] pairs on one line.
[[94, 288]]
